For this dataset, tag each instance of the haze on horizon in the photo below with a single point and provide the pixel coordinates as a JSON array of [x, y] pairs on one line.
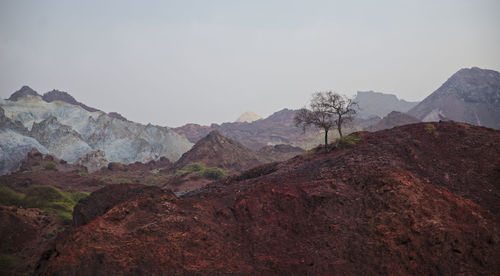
[[175, 62]]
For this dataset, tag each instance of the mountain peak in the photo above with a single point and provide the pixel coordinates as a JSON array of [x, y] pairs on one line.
[[24, 91], [215, 150], [471, 95], [56, 95], [248, 117]]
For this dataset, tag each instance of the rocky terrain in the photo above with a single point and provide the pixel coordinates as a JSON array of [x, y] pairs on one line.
[[378, 104], [393, 119], [56, 123], [470, 95], [420, 199]]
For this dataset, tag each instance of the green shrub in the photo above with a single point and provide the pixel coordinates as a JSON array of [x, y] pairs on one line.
[[350, 140], [79, 196], [50, 167], [105, 179], [430, 129], [196, 167], [46, 198], [10, 197], [83, 173], [214, 173], [123, 180]]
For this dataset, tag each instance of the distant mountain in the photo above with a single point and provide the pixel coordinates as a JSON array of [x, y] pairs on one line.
[[215, 150], [470, 95], [24, 91], [66, 129], [380, 104], [56, 95], [279, 128], [248, 117], [393, 119]]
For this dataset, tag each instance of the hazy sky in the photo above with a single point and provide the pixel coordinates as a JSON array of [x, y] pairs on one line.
[[174, 62]]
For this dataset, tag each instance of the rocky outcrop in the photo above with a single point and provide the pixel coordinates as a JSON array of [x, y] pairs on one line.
[[470, 95], [93, 160], [99, 202], [393, 119], [24, 235], [380, 104], [376, 208], [61, 140]]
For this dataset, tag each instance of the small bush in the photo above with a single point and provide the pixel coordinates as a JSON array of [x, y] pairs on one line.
[[105, 179], [196, 167], [83, 173], [50, 167], [214, 173], [349, 141], [123, 180], [430, 129]]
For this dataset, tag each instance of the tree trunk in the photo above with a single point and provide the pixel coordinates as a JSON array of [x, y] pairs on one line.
[[326, 140], [340, 131]]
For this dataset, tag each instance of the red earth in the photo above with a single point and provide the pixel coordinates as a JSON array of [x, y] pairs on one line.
[[420, 199]]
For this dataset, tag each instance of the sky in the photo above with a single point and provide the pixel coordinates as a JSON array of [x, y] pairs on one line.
[[175, 62]]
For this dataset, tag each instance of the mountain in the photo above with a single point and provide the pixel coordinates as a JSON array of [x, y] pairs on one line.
[[248, 117], [215, 150], [56, 95], [393, 119], [65, 128], [380, 104], [470, 95], [279, 128], [24, 91], [376, 207]]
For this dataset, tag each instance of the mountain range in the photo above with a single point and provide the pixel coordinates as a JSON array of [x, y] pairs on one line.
[[56, 123]]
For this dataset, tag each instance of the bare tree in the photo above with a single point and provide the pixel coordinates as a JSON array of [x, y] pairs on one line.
[[327, 110], [341, 107]]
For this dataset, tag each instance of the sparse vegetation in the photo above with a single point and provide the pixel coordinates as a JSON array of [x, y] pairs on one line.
[[123, 180], [46, 198], [105, 179], [349, 141], [199, 169], [327, 110], [214, 173], [83, 173], [50, 167], [431, 129]]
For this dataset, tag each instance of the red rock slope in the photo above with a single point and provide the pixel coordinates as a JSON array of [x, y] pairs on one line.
[[416, 200]]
